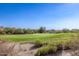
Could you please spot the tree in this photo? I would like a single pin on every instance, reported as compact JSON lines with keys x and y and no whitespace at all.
{"x":75,"y":30}
{"x":30,"y":31}
{"x":25,"y":31}
{"x":8,"y":30}
{"x":51,"y":31}
{"x":42,"y":30}
{"x":19,"y":31}
{"x":65,"y":30}
{"x":58,"y":31}
{"x":2,"y":31}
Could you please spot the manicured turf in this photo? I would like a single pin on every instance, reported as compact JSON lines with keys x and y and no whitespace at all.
{"x":34,"y":37}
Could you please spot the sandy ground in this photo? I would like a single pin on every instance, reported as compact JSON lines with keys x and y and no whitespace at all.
{"x":16,"y":49}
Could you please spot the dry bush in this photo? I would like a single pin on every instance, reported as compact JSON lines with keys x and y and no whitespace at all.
{"x":45,"y":50}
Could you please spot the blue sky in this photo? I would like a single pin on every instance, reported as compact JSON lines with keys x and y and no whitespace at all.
{"x":28,"y":15}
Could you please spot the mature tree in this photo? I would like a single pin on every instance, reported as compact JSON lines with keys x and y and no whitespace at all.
{"x":75,"y":30}
{"x":2,"y":31}
{"x":25,"y":31}
{"x":42,"y":30}
{"x":19,"y":31}
{"x":58,"y":31}
{"x":65,"y":30}
{"x":30,"y":31}
{"x":8,"y":30}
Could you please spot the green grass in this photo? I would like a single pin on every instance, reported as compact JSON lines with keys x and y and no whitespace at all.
{"x":34,"y":37}
{"x":40,"y":39}
{"x":43,"y":38}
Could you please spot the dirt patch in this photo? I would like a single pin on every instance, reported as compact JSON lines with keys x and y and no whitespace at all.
{"x":16,"y":49}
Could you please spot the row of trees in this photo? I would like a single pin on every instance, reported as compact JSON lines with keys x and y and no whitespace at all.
{"x":8,"y":30}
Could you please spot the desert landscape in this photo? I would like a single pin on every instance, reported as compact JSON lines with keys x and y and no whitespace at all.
{"x":59,"y":43}
{"x":39,"y":29}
